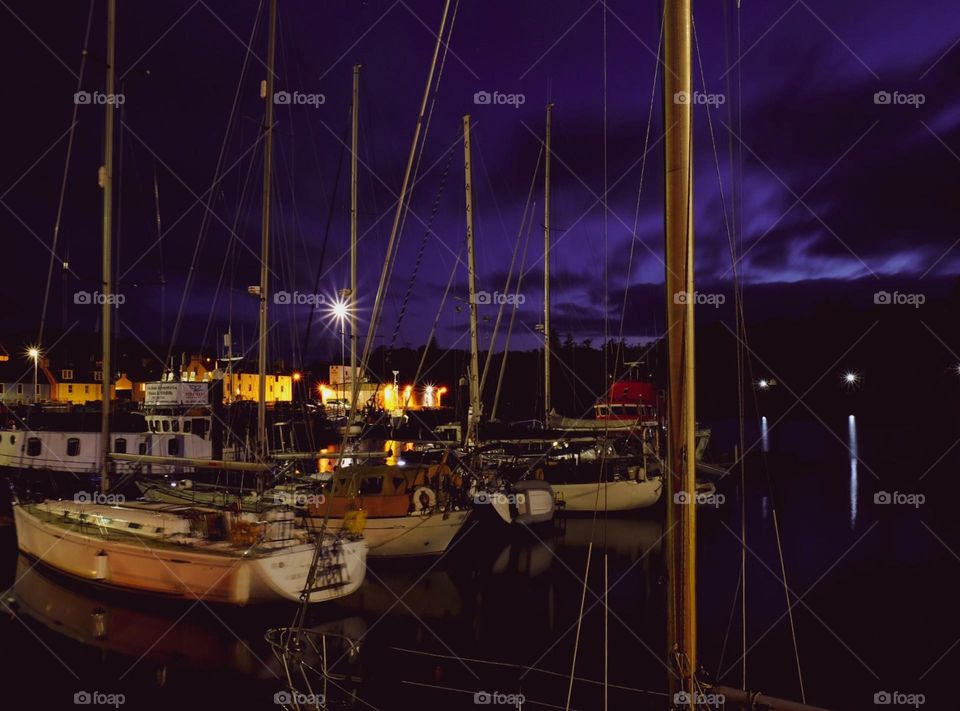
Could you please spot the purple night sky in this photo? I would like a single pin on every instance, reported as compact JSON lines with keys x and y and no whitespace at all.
{"x":836,"y":192}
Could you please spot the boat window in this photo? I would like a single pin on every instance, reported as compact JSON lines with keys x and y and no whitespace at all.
{"x":73,"y":447}
{"x":175,"y":425}
{"x":173,"y":447}
{"x":399,"y":484}
{"x":371,"y":485}
{"x":166,"y":425}
{"x":186,"y":425}
{"x":33,"y":447}
{"x":13,"y":439}
{"x":142,"y":448}
{"x":120,"y":445}
{"x":134,"y":524}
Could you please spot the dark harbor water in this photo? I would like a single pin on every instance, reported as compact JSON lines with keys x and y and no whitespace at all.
{"x":872,"y":588}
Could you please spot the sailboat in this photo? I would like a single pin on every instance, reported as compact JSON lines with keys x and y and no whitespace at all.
{"x":187,"y":552}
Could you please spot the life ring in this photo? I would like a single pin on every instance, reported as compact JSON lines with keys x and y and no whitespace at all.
{"x":424,"y":499}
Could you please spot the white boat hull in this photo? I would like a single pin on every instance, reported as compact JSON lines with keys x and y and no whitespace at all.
{"x":223,"y":575}
{"x":414,"y":534}
{"x":627,"y":495}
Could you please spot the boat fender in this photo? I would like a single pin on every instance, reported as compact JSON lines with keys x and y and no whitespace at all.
{"x":424,"y":498}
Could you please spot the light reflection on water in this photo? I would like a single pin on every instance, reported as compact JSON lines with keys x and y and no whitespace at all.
{"x":854,"y":484}
{"x":764,"y":434}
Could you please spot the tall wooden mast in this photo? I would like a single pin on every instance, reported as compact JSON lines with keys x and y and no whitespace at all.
{"x":265,"y":236}
{"x":546,"y":270}
{"x":474,"y":415}
{"x":352,"y":302}
{"x":681,"y":487}
{"x":106,"y":183}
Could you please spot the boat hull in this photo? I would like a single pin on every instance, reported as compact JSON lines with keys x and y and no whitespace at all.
{"x":230,"y":577}
{"x":628,"y":495}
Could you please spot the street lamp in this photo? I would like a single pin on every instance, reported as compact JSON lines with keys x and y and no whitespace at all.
{"x":339,"y":310}
{"x":34,"y":354}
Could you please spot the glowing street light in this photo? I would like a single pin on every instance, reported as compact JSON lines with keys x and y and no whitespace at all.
{"x":850,"y":379}
{"x":339,"y":310}
{"x":34,"y":354}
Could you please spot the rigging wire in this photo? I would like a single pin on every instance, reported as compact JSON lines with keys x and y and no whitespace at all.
{"x":741,"y":362}
{"x":205,"y":219}
{"x":513,"y":259}
{"x":636,"y":214}
{"x":513,"y":313}
{"x":63,"y":181}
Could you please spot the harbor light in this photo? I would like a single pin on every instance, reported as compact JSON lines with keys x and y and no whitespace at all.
{"x":296,"y":377}
{"x":339,"y":309}
{"x":33,"y":353}
{"x":851,"y":379}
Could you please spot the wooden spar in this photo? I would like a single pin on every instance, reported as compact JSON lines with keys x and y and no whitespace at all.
{"x":265,"y":236}
{"x":189,"y":462}
{"x":106,"y":183}
{"x":756,"y":700}
{"x":474,"y":416}
{"x":546,"y":270}
{"x":680,"y":470}
{"x":352,"y":302}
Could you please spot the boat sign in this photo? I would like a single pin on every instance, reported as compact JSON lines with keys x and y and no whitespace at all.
{"x":167,"y":394}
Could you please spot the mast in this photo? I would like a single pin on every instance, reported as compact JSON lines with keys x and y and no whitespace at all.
{"x":474,"y":415}
{"x":265,"y":237}
{"x":546,"y":272}
{"x":106,"y":183}
{"x":352,"y":304}
{"x":678,"y":217}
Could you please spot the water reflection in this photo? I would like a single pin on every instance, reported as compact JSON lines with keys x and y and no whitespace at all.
{"x":764,"y":434}
{"x":83,"y":614}
{"x":854,"y":484}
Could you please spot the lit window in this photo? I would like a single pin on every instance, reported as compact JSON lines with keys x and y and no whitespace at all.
{"x":98,"y":375}
{"x":66,"y":375}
